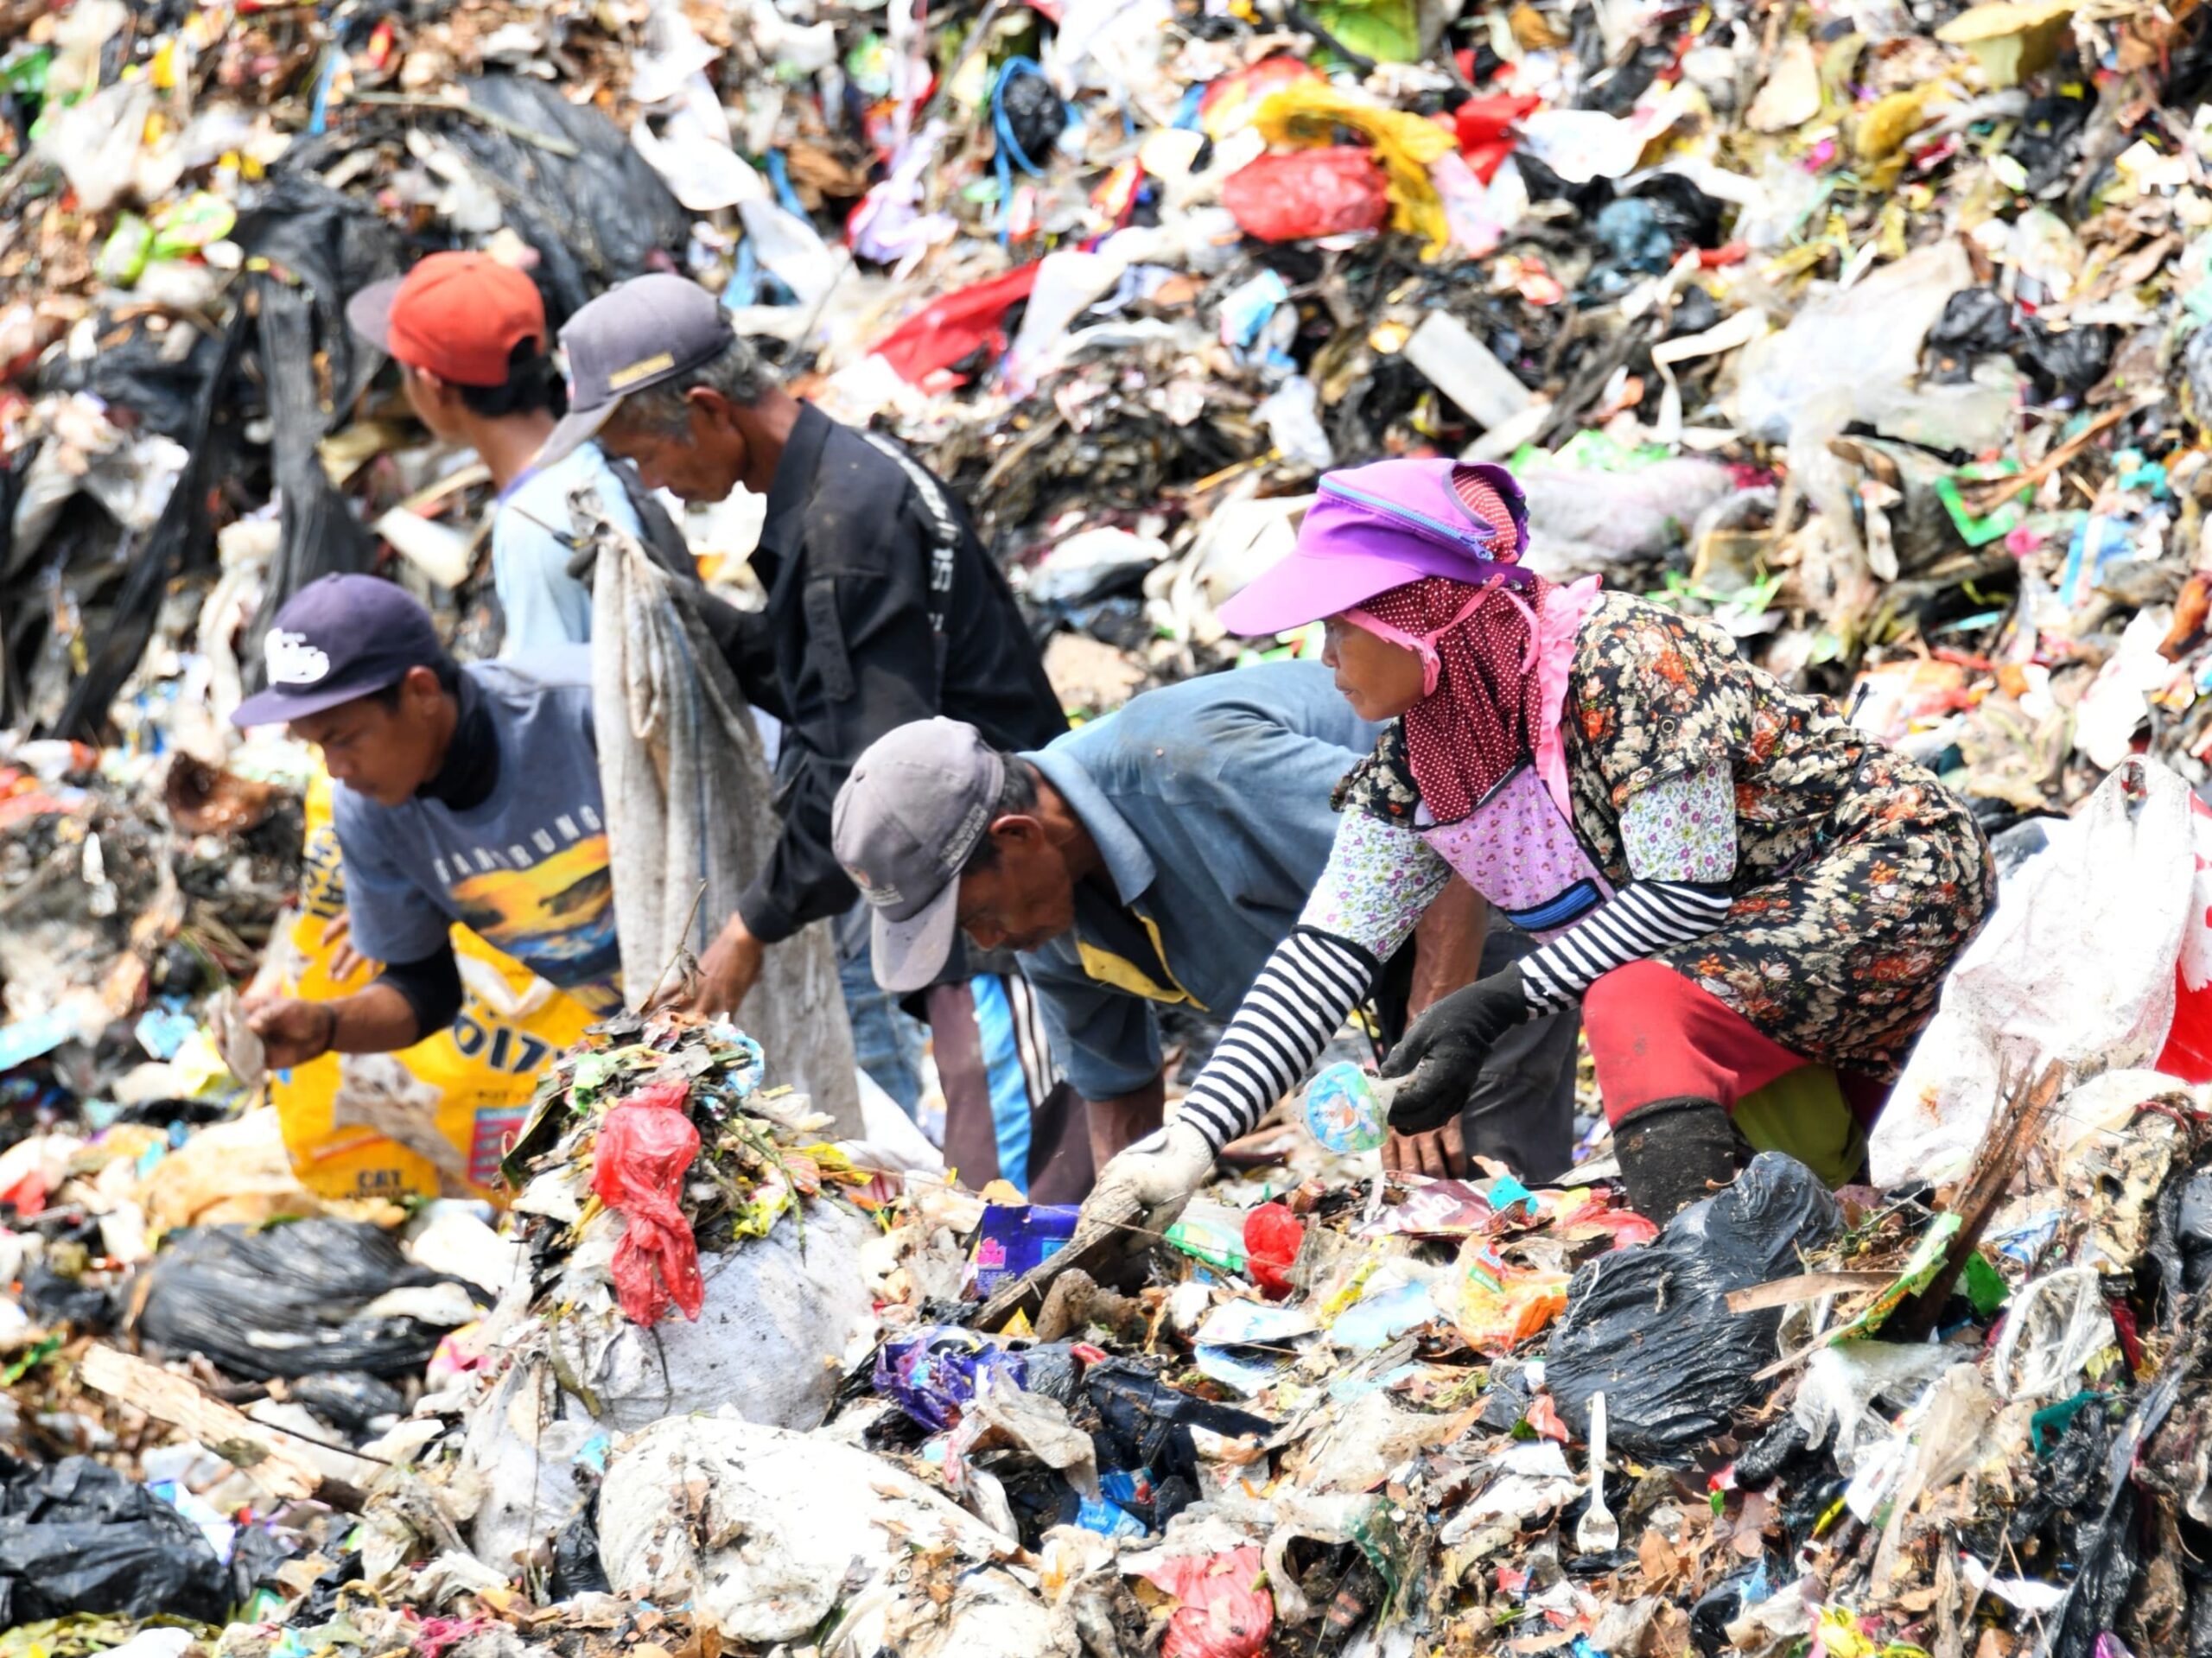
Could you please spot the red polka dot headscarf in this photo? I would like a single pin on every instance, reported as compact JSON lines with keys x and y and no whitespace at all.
{"x":1426,"y":554}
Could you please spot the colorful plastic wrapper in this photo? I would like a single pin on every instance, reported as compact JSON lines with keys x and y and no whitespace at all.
{"x":1014,"y":1237}
{"x":933,"y":1374}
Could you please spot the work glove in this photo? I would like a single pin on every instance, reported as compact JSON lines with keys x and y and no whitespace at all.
{"x":1146,"y":1185}
{"x":1441,"y":1056}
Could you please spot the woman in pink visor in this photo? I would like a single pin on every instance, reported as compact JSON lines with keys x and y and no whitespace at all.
{"x":1754,"y":902}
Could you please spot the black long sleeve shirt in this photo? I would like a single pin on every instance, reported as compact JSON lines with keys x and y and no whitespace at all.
{"x":846,"y":556}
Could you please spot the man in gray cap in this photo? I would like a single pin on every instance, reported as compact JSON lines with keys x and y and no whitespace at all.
{"x":883,"y":608}
{"x":1155,"y":859}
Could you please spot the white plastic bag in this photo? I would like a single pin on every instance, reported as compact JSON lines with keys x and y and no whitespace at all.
{"x":2075,"y":966}
{"x":762,"y":1532}
{"x":1863,"y":342}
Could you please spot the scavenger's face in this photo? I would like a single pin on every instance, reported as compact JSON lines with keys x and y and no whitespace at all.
{"x":1022,"y":901}
{"x":437,"y":404}
{"x":382,"y":753}
{"x":701,"y":464}
{"x":1379,"y":679}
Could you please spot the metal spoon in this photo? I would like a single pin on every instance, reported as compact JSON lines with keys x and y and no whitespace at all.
{"x":1598,"y":1532}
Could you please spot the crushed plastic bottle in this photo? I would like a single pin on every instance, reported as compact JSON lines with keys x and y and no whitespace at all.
{"x":1346,"y":1109}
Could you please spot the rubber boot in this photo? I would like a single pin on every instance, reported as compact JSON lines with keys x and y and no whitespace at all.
{"x":1674,"y":1151}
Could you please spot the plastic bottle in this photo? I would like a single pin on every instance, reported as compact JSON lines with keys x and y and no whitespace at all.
{"x":1346,"y":1109}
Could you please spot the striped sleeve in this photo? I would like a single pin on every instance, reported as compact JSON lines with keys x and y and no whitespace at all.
{"x":1643,"y":918}
{"x":1301,"y":996}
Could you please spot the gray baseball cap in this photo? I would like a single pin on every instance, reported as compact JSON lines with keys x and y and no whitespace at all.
{"x":636,"y":334}
{"x":917,"y":803}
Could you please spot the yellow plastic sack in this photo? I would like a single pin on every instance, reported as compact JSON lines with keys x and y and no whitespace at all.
{"x":1307,"y":112}
{"x":431,"y":1120}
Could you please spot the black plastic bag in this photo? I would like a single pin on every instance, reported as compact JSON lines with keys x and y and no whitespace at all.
{"x":1975,"y":321}
{"x":1650,"y":1329}
{"x":180,"y":538}
{"x":352,"y":1401}
{"x":285,"y":1302}
{"x":321,"y":248}
{"x":157,"y":372}
{"x":577,"y":1569}
{"x":78,"y":1537}
{"x":1034,"y":114}
{"x":325,"y":246}
{"x":50,"y":1298}
{"x":2068,"y":361}
{"x":596,"y":217}
{"x":1144,"y":1423}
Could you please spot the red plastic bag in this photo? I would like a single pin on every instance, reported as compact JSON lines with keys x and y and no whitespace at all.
{"x":645,"y":1144}
{"x":1225,"y":1613}
{"x":1272,"y":1237}
{"x":946,"y":330}
{"x":2187,"y":1052}
{"x":1308,"y":193}
{"x":1485,"y":128}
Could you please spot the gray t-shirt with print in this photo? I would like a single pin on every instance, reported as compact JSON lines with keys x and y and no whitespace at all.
{"x":525,"y":868}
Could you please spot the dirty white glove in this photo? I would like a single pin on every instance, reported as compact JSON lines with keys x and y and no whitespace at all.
{"x":1148,"y":1183}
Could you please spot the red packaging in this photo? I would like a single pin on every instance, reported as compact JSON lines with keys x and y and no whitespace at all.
{"x":1272,"y":1237}
{"x":645,"y":1144}
{"x":1308,"y":193}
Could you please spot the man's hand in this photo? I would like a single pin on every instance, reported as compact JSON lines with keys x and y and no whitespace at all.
{"x":1442,"y":1152}
{"x":1148,"y":1184}
{"x":729,"y":969}
{"x":293,"y":1031}
{"x":1441,"y":1056}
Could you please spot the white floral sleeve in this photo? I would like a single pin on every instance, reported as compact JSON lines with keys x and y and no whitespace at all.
{"x":1683,"y":828}
{"x":1380,"y":879}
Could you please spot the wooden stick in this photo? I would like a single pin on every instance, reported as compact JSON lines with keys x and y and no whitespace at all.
{"x":548,"y":141}
{"x":1806,"y":1286}
{"x":274,"y":1458}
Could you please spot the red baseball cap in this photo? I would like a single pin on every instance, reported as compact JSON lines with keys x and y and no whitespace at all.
{"x":457,"y":315}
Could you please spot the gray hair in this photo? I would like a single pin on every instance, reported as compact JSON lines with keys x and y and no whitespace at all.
{"x":736,"y":372}
{"x":1017,"y":798}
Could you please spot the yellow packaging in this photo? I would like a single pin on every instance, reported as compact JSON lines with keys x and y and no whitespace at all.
{"x":432,"y":1120}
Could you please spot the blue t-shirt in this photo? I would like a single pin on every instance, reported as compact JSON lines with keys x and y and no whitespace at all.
{"x":1209,"y":802}
{"x":525,"y":868}
{"x":544,"y":604}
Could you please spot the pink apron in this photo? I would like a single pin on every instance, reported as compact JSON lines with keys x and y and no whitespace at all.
{"x":1518,"y":848}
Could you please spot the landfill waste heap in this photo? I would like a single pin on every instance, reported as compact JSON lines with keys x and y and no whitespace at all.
{"x":1871,"y":330}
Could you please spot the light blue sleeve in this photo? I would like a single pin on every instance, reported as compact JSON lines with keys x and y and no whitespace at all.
{"x":544,"y":604}
{"x":1683,"y":828}
{"x":394,"y":919}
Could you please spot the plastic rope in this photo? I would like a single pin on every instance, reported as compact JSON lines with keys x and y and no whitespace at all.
{"x":1010,"y":153}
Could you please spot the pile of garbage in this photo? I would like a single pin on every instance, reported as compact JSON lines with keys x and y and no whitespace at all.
{"x":717,"y":1381}
{"x":1873,"y":330}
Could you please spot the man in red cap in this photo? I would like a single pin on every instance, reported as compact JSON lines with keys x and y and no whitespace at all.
{"x":469,"y":335}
